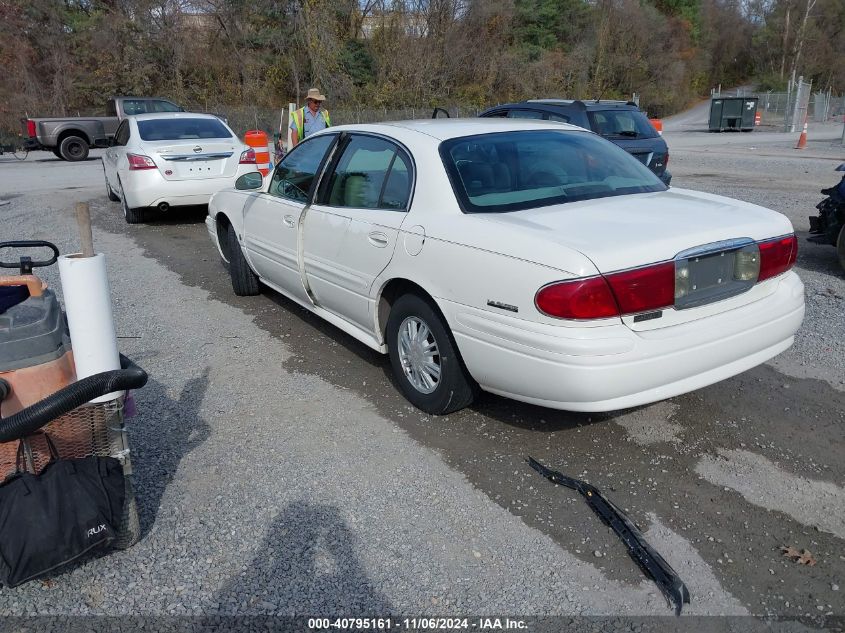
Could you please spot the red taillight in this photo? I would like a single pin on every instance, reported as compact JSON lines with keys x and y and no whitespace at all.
{"x":777,"y":256}
{"x":248,"y":157}
{"x":137,"y":162}
{"x":626,"y":292}
{"x":577,"y":299}
{"x":644,"y":289}
{"x":30,"y":128}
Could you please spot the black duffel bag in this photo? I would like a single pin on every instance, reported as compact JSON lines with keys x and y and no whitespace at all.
{"x":48,"y":520}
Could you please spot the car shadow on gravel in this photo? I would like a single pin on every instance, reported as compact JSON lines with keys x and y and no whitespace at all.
{"x":176,"y":216}
{"x":531,"y":417}
{"x":306,"y":564}
{"x":815,"y":257}
{"x":179,"y":215}
{"x":164,"y":431}
{"x":508,"y":411}
{"x":326,"y":329}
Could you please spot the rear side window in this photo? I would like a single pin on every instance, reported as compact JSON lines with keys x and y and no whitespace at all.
{"x":182,"y":129}
{"x":621,"y":124}
{"x":372,"y":173}
{"x":134,"y":106}
{"x":163,"y":106}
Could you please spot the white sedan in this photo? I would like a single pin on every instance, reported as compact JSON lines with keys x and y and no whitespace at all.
{"x":158,"y":161}
{"x":530,"y":259}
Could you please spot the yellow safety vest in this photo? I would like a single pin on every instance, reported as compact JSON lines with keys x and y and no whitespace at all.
{"x":299,"y":121}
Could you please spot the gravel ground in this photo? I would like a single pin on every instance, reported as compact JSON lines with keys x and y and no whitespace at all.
{"x":774,"y":175}
{"x":272,"y":492}
{"x":279,"y":472}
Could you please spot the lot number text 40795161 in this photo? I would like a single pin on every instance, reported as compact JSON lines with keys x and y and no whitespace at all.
{"x":417,"y":624}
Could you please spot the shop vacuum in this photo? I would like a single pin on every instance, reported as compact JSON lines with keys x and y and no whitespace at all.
{"x":57,"y":416}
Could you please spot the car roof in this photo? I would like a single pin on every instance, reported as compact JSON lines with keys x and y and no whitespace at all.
{"x":444,"y":129}
{"x":581,"y":104}
{"x":173,"y":115}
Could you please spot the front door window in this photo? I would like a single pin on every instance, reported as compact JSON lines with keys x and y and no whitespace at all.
{"x":295,"y":175}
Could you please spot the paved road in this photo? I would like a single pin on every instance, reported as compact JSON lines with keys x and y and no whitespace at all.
{"x":279,"y":471}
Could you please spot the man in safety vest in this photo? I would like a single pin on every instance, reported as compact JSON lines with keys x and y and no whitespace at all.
{"x":309,"y":119}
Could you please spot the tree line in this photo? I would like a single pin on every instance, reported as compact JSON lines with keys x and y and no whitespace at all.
{"x":67,"y":56}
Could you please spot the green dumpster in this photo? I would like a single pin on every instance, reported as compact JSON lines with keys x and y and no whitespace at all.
{"x":735,"y":114}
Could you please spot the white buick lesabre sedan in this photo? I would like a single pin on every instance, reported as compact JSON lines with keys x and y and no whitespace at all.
{"x":169,"y":159}
{"x":530,"y":259}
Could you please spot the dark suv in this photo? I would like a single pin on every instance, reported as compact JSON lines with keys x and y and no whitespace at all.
{"x":621,"y":122}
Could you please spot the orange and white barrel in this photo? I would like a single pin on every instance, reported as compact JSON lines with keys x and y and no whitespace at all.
{"x":757,"y":119}
{"x":658,"y":125}
{"x":257,"y":140}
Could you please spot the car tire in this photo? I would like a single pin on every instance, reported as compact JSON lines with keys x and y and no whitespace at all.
{"x":840,"y":247}
{"x":244,"y":281}
{"x":57,"y":153}
{"x":438,"y":391}
{"x":132,"y":216}
{"x":73,"y":148}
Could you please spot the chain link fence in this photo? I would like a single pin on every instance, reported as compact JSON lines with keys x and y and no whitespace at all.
{"x":786,"y":110}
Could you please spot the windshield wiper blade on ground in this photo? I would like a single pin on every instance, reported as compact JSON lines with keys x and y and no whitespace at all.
{"x":652,"y":563}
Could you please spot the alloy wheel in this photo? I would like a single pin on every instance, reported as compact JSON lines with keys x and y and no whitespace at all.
{"x":419,"y":355}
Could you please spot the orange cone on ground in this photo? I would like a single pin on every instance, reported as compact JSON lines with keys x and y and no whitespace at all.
{"x":802,"y":140}
{"x":257,"y":140}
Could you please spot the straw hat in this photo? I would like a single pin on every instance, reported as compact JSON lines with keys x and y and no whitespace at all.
{"x":314,"y":93}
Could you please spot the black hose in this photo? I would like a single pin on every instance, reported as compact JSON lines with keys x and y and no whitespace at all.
{"x":76,"y":394}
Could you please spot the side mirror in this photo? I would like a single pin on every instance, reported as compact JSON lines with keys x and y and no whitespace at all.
{"x":252,"y":180}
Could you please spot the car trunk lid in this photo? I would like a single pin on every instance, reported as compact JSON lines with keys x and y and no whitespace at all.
{"x":194,"y":160}
{"x":702,"y":231}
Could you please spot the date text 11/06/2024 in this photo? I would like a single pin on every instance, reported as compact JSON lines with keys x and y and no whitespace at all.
{"x":417,"y":624}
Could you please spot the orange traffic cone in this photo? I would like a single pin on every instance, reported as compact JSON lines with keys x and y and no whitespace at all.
{"x":802,"y":140}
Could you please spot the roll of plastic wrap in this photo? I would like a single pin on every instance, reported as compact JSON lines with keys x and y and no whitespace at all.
{"x":87,"y":296}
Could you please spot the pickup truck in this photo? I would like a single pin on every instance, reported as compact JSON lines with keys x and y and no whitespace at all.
{"x":70,"y":138}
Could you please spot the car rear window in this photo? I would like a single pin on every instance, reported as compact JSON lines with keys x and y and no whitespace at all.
{"x":511,"y":171}
{"x":182,"y":129}
{"x":621,"y":124}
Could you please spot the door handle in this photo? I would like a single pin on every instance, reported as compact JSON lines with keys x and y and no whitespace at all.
{"x":378,"y":239}
{"x":289,"y":221}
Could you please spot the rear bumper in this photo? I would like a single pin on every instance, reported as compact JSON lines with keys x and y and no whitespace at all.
{"x":613,"y":367}
{"x":148,"y":188}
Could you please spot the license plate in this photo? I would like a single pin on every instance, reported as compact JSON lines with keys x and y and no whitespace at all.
{"x":713,"y":276}
{"x":199,"y":168}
